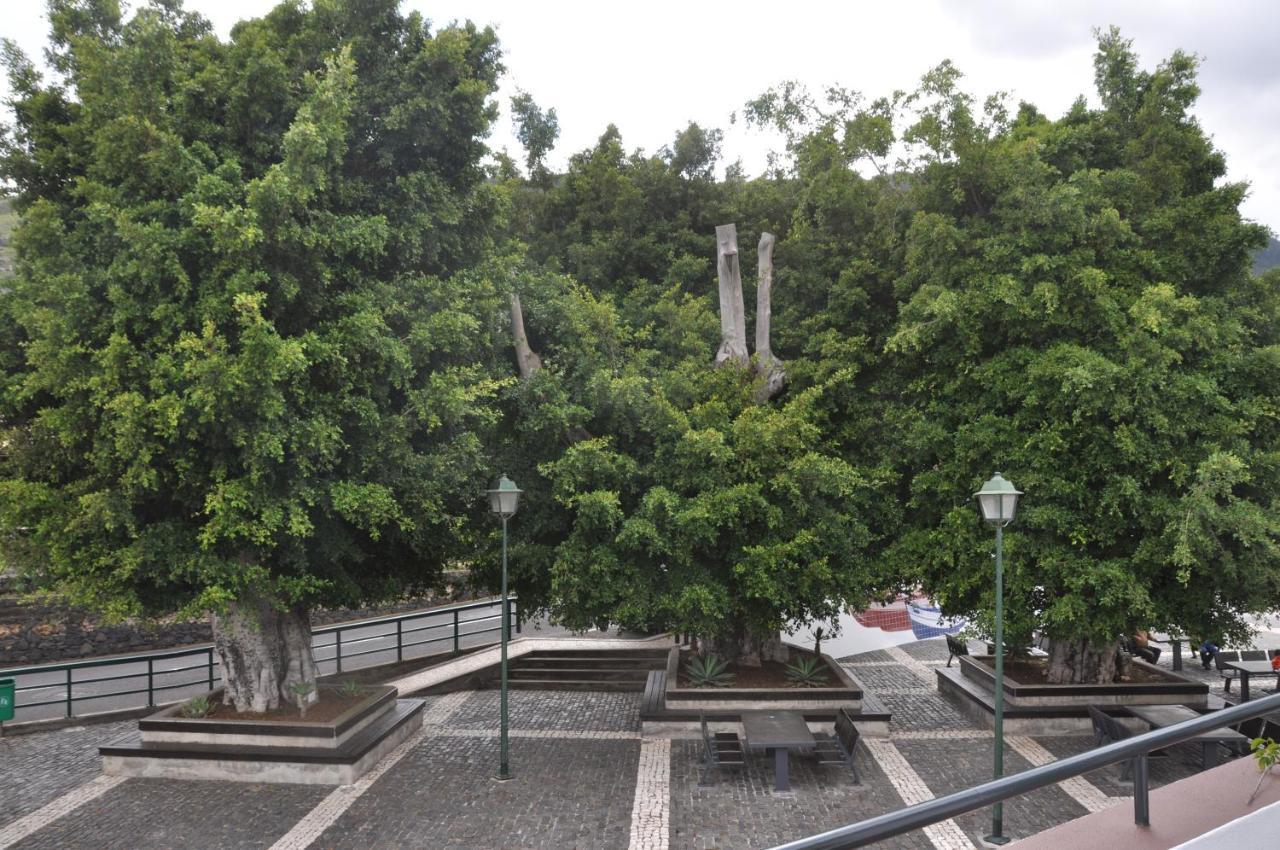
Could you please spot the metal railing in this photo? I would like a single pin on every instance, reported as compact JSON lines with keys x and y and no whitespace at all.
{"x":943,"y":808}
{"x":339,"y":648}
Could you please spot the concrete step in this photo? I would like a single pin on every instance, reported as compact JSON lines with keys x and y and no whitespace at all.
{"x":523,"y":671}
{"x":589,"y":663}
{"x":573,"y":685}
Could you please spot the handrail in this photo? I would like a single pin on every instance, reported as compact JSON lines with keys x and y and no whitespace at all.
{"x":201,"y":647}
{"x":932,"y":811}
{"x":74,"y":690}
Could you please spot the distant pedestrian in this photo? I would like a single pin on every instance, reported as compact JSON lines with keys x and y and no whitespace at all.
{"x":1208,"y":650}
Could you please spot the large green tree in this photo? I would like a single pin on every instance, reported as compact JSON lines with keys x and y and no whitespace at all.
{"x":1077,"y":311}
{"x":245,"y":375}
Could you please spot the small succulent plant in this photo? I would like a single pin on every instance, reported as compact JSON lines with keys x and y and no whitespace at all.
{"x":196,"y":707}
{"x":350,"y":688}
{"x":807,"y":672}
{"x":302,"y":690}
{"x":708,"y":671}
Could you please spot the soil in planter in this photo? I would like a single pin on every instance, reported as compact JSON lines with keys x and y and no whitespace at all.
{"x":1035,"y":671}
{"x":329,"y":706}
{"x":771,"y":674}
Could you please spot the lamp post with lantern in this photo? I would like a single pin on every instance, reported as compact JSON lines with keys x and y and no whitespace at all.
{"x":998,"y":500}
{"x":504,"y":498}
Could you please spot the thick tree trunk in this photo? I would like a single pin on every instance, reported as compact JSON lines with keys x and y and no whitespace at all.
{"x":767,"y":366}
{"x":526,"y":358}
{"x":1081,"y":662}
{"x":746,"y":649}
{"x":264,"y":651}
{"x":733,"y":318}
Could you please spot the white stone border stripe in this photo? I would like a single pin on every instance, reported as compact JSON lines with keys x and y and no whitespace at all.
{"x":328,"y":810}
{"x":941,"y":734}
{"x":563,"y":734}
{"x":47,"y":814}
{"x":946,"y":835}
{"x":1078,"y":788}
{"x":915,"y":665}
{"x":651,"y":812}
{"x":444,"y":708}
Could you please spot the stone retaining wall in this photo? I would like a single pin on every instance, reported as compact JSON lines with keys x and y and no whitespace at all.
{"x":40,"y":634}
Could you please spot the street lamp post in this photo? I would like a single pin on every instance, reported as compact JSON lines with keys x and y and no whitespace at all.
{"x":998,"y":500}
{"x":504,"y":498}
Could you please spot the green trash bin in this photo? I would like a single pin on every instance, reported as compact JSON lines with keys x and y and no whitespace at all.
{"x":6,"y":699}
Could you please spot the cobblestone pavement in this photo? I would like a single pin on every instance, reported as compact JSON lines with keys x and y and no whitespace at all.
{"x":741,"y":810}
{"x":581,"y":782}
{"x":153,"y":813}
{"x":560,"y":710}
{"x":573,"y":795}
{"x":37,"y":769}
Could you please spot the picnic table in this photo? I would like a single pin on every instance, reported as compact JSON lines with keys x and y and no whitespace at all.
{"x":1159,"y":716}
{"x":778,"y":731}
{"x":1245,"y":668}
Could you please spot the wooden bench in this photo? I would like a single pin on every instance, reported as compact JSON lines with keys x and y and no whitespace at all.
{"x":655,"y":689}
{"x":955,"y":647}
{"x":1108,"y":730}
{"x":842,"y":747}
{"x":1220,"y":658}
{"x":1160,"y":716}
{"x":721,"y":750}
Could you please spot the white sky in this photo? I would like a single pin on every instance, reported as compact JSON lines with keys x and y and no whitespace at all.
{"x":652,"y":67}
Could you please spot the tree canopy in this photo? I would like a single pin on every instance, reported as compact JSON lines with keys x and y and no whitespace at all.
{"x":247,"y":353}
{"x":259,"y":338}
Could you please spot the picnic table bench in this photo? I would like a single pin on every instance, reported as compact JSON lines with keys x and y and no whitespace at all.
{"x":1159,"y":716}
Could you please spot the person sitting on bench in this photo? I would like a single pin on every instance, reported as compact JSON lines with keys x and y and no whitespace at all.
{"x":1139,"y":645}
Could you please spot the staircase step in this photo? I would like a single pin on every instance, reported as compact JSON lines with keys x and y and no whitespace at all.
{"x":604,"y":674}
{"x":587,"y":663}
{"x":574,"y":685}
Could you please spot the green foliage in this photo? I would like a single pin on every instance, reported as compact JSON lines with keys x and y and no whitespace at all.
{"x":350,"y":689}
{"x":196,"y":707}
{"x":1266,"y":752}
{"x":808,"y":672}
{"x":240,"y":351}
{"x":708,"y":671}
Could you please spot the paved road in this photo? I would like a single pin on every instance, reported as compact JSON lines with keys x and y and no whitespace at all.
{"x":103,"y":687}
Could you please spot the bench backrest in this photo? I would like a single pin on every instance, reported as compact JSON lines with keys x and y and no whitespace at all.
{"x":846,"y":732}
{"x":1224,"y":655}
{"x":1099,"y":720}
{"x":956,"y":646}
{"x":1253,"y":655}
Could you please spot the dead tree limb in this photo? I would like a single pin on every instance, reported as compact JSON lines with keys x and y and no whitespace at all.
{"x":526,"y":358}
{"x":767,"y":366}
{"x":733,"y":320}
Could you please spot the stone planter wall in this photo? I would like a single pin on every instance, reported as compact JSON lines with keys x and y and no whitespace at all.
{"x":1172,"y":689}
{"x":843,"y":693}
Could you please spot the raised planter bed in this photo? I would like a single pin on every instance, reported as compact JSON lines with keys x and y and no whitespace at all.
{"x":289,"y":731}
{"x":1043,"y":709}
{"x":333,"y":751}
{"x":843,"y":692}
{"x":1155,"y":686}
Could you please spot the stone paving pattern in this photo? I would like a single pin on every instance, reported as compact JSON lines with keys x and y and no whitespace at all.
{"x":143,"y":814}
{"x":576,"y":757}
{"x":573,"y":795}
{"x":37,"y":769}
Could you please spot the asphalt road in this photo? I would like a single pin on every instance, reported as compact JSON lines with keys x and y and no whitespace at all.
{"x":116,"y":683}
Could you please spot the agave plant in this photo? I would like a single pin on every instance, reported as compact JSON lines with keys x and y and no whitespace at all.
{"x":708,"y":671}
{"x":196,"y":707}
{"x":350,"y":688}
{"x":807,"y":672}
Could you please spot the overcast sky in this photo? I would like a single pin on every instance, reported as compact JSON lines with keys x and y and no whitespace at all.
{"x":652,"y":67}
